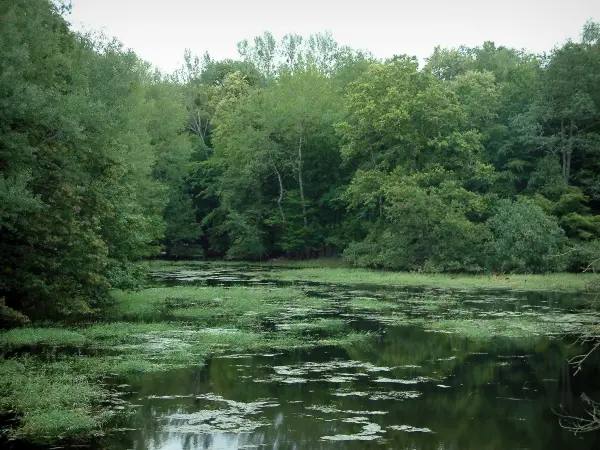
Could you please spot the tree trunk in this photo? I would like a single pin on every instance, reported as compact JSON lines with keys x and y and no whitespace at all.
{"x":300,"y":182}
{"x":566,"y":149}
{"x":562,"y":150}
{"x":302,"y":199}
{"x":280,"y":199}
{"x":198,"y":128}
{"x":569,"y":152}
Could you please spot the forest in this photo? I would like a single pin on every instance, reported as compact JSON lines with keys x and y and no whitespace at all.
{"x":482,"y":160}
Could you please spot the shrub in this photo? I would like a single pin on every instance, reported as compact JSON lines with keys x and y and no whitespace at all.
{"x":10,"y":318}
{"x":524,"y":239}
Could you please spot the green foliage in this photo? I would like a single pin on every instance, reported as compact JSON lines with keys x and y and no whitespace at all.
{"x":329,"y":150}
{"x":424,"y":224}
{"x":273,"y":149}
{"x":300,"y":148}
{"x":525,"y":239}
{"x":10,"y":318}
{"x":89,"y":139}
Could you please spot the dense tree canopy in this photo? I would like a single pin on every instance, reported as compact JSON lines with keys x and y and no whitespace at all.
{"x":485,"y":159}
{"x":394,"y":166}
{"x":91,"y":151}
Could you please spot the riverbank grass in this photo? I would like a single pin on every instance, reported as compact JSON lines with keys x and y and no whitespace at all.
{"x":566,"y":282}
{"x":337,"y":271}
{"x":51,"y":404}
{"x":20,"y":337}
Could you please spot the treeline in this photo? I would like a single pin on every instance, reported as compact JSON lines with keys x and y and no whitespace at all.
{"x":485,"y":159}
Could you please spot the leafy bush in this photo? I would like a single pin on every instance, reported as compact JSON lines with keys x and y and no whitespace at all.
{"x":426,"y":228}
{"x":10,"y":318}
{"x":524,"y":239}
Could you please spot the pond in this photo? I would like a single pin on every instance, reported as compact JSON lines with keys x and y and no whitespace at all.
{"x":413,"y":387}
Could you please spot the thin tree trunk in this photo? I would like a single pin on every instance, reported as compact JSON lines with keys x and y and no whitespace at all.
{"x":200,"y":130}
{"x":566,"y":149}
{"x":300,"y":183}
{"x":563,"y":150}
{"x":302,"y":199}
{"x":569,"y":153}
{"x":280,"y":199}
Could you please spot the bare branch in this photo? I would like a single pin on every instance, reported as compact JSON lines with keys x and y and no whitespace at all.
{"x":591,"y":422}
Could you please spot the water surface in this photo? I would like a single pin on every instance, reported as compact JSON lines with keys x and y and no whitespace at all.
{"x":413,"y":388}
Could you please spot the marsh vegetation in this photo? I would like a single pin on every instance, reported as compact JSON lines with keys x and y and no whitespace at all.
{"x":236,"y":355}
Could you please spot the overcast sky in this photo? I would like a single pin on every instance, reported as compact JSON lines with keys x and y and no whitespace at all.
{"x":160,"y":30}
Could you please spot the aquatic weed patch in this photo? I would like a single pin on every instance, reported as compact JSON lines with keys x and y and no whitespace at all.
{"x":409,"y":429}
{"x":221,"y":415}
{"x":415,"y":380}
{"x":369,"y":432}
{"x":332,"y":410}
{"x":120,"y":332}
{"x":378,"y":395}
{"x":31,"y":336}
{"x":335,"y":371}
{"x":371,"y":303}
{"x":516,"y":325}
{"x":51,"y":403}
{"x":322,"y":324}
{"x":73,"y":386}
{"x":202,"y":302}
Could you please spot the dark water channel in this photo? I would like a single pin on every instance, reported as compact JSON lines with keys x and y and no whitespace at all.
{"x":412,"y":389}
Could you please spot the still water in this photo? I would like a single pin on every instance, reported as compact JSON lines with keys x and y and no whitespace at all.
{"x":412,"y":389}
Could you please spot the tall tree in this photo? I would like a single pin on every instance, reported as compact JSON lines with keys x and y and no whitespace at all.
{"x":79,"y":203}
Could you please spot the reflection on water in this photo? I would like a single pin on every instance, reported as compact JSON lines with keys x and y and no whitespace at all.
{"x":412,"y":389}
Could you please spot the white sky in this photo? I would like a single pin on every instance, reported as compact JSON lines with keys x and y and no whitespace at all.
{"x":160,"y":30}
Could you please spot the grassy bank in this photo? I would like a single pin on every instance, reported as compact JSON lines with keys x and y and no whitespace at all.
{"x":335,"y":270}
{"x":566,"y":282}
